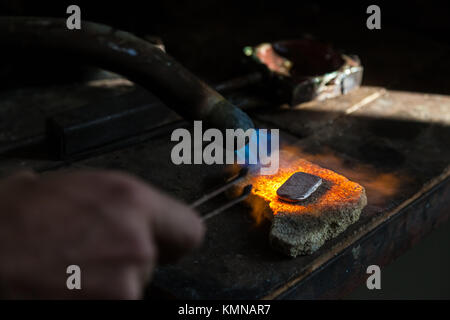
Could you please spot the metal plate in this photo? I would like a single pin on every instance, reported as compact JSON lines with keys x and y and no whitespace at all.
{"x":299,"y":187}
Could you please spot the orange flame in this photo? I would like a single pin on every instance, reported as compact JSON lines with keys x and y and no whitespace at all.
{"x":341,"y":190}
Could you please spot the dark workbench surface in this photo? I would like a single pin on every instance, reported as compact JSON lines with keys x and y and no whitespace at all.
{"x":395,"y":144}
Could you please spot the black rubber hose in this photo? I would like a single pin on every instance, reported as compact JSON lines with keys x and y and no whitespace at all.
{"x":130,"y":56}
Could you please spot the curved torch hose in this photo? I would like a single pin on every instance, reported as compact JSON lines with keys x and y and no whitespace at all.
{"x":132,"y":57}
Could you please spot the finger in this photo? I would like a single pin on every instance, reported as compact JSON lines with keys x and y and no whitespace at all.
{"x":177,"y":228}
{"x":22,"y":175}
{"x":19,"y":179}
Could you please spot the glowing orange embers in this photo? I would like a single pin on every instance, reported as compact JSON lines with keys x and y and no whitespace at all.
{"x":303,"y":227}
{"x":339,"y":189}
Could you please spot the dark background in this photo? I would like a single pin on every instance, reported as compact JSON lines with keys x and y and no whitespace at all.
{"x":411,"y":52}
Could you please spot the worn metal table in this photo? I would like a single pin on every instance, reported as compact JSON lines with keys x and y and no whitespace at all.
{"x":395,"y":144}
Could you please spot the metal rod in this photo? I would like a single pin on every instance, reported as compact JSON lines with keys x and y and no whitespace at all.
{"x":221,"y":189}
{"x":240,"y":82}
{"x":245,"y":192}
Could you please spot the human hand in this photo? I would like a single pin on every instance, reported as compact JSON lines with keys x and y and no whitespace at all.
{"x":113,"y":226}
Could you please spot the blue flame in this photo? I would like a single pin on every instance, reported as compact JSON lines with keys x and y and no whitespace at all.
{"x":244,"y":152}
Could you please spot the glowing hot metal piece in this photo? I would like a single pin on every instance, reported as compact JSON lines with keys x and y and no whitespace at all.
{"x":298,"y":187}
